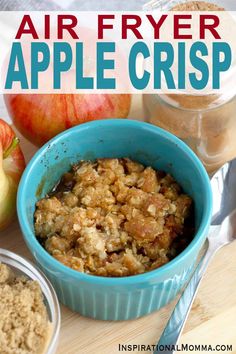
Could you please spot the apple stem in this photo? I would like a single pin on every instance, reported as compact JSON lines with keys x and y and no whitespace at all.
{"x":12,"y":147}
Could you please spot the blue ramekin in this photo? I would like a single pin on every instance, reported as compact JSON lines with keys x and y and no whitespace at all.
{"x":127,"y":297}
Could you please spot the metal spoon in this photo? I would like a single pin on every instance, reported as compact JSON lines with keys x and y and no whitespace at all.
{"x":222,"y":232}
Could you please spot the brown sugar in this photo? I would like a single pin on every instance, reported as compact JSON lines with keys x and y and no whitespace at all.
{"x":24,"y":324}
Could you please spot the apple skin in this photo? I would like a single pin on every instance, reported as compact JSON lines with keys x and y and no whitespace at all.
{"x":39,"y":117}
{"x":12,"y":164}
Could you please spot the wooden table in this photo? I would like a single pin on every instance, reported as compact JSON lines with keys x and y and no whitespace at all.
{"x":212,"y":319}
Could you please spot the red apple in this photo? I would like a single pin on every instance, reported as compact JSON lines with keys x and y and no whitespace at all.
{"x":12,"y":164}
{"x":41,"y":117}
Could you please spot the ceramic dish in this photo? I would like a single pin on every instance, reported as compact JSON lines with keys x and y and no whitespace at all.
{"x":127,"y":297}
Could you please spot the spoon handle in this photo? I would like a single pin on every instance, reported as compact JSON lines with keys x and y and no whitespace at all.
{"x":175,"y":325}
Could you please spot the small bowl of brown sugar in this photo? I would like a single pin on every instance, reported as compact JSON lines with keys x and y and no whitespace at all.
{"x":30,"y":312}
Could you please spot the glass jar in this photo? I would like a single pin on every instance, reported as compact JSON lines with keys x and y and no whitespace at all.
{"x":207,"y":123}
{"x":22,"y":267}
{"x":208,"y":127}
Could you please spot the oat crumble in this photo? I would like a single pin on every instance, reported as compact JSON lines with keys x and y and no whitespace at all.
{"x":114,"y":217}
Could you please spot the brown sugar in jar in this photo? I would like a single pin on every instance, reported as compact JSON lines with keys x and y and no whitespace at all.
{"x":207,"y":123}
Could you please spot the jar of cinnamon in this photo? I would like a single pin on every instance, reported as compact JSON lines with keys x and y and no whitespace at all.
{"x":206,"y":122}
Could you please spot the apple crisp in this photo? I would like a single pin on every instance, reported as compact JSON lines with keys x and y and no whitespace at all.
{"x":24,"y":323}
{"x":114,"y":217}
